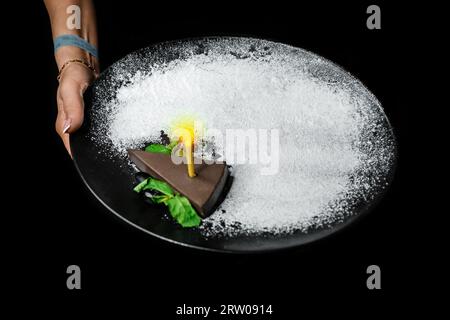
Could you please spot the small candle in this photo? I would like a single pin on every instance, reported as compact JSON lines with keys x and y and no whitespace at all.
{"x":184,"y":129}
{"x":189,"y":159}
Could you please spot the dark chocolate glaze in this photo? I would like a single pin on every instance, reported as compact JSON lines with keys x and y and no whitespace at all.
{"x":203,"y":191}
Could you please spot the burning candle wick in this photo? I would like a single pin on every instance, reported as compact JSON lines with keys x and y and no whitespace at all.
{"x":184,"y":128}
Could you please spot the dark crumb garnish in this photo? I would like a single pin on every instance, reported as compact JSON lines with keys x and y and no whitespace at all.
{"x":164,"y":138}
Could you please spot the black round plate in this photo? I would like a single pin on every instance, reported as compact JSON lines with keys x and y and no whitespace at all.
{"x":111,"y":178}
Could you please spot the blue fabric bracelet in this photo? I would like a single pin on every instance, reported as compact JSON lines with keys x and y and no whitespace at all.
{"x":74,"y":40}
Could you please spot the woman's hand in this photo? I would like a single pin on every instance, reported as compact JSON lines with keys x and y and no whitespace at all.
{"x":73,"y":82}
{"x":74,"y":77}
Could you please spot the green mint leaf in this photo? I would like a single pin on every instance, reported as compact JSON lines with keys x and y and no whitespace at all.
{"x":154,"y":184}
{"x":182,"y":211}
{"x":176,"y":208}
{"x":161,"y":199}
{"x":141,"y":186}
{"x":158,"y":148}
{"x":179,"y":206}
{"x":191,"y":218}
{"x":158,"y":185}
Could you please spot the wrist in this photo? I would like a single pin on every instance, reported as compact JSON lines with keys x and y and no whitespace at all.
{"x":78,"y":74}
{"x":87,"y":67}
{"x":67,"y":53}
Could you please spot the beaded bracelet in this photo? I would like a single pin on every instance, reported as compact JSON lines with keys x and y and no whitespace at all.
{"x":80,"y":61}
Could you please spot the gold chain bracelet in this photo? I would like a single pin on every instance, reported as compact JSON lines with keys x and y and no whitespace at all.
{"x":80,"y":61}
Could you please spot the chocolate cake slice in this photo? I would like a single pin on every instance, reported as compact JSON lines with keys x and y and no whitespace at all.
{"x":203,"y":191}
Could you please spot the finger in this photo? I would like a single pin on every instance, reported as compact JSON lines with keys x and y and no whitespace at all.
{"x":73,"y":106}
{"x":60,"y":129}
{"x":60,"y":118}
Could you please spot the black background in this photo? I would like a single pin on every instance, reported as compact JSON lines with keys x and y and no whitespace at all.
{"x":59,"y":223}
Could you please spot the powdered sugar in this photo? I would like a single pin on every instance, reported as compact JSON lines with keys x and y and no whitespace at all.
{"x":336,"y":146}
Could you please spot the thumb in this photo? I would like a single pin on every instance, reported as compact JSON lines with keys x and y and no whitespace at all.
{"x":73,"y":107}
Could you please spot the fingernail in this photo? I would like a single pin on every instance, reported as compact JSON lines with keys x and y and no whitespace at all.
{"x":66,"y":125}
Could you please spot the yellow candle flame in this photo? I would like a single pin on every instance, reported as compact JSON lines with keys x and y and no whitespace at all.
{"x":183,"y":129}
